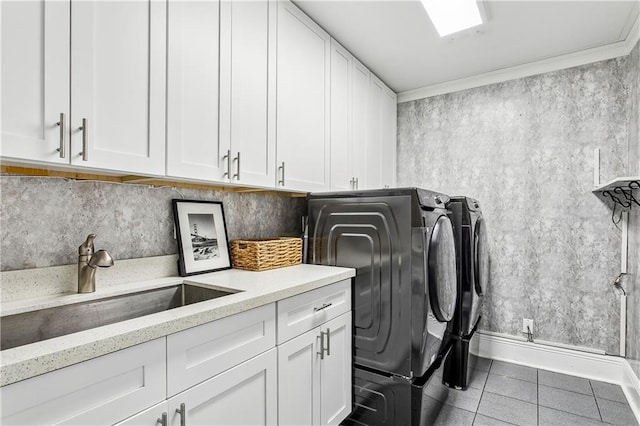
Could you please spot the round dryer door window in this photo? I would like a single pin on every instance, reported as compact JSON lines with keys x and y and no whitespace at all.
{"x":443,"y":290}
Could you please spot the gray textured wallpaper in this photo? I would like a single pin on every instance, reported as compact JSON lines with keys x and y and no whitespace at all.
{"x":44,"y":220}
{"x":524,"y":149}
{"x":632,"y":283}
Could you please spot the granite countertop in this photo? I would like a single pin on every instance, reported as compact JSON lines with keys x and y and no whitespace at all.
{"x":251,"y":289}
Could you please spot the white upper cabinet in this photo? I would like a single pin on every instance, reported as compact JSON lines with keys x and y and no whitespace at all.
{"x":363,"y":126}
{"x":247,"y":89}
{"x":303,"y":121}
{"x":388,"y":135}
{"x":374,"y":138}
{"x":248,"y":92}
{"x":360,"y":101}
{"x":193,"y":147}
{"x":83,"y":84}
{"x":35,"y":80}
{"x":118,"y":60}
{"x":341,"y":138}
{"x":380,"y":136}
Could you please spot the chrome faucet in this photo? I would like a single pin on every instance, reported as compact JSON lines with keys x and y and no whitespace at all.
{"x":88,"y":262}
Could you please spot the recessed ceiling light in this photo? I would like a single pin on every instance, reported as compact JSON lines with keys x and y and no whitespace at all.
{"x":451,"y":16}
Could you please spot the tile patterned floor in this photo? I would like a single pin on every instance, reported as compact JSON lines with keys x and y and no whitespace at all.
{"x":501,"y":393}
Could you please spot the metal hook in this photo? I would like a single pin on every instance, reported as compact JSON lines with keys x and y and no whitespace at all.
{"x":616,"y":199}
{"x":628,"y":194}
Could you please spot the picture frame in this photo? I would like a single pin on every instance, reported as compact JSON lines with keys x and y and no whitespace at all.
{"x":201,"y":232}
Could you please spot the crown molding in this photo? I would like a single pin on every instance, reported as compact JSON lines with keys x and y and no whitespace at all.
{"x":583,"y":57}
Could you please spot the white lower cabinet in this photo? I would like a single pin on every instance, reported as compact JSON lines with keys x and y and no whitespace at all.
{"x":314,"y":371}
{"x":336,"y":372}
{"x":314,"y":367}
{"x":101,"y":391}
{"x":243,"y":395}
{"x":201,"y":352}
{"x":225,"y":372}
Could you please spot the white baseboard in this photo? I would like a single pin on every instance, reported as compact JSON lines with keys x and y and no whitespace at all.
{"x":631,"y":387}
{"x":605,"y":368}
{"x":559,"y":359}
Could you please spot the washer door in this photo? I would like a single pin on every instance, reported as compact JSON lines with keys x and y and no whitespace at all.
{"x":480,"y":268}
{"x":443,"y":288}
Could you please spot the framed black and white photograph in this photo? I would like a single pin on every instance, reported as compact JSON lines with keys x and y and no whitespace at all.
{"x":202,"y":236}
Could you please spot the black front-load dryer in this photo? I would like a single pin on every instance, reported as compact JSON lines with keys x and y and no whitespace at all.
{"x":472,"y":261}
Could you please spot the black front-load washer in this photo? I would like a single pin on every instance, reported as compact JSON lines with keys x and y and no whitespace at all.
{"x":472,"y":260}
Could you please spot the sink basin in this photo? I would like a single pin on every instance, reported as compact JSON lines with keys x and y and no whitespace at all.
{"x":29,"y":327}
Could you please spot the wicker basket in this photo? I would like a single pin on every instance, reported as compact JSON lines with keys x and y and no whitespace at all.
{"x":262,"y":254}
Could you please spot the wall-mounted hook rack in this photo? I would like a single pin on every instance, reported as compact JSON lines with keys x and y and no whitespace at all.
{"x":623,"y":192}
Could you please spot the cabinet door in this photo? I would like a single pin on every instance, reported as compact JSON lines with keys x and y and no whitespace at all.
{"x":341,"y":63}
{"x":149,"y":417}
{"x":388,"y":132}
{"x":299,"y":380}
{"x":118,"y":53}
{"x":193,"y":147}
{"x":102,"y":390}
{"x":336,"y":371}
{"x":381,"y":135}
{"x":359,"y":114}
{"x":243,"y":395}
{"x":303,"y":63}
{"x":35,"y":80}
{"x":374,"y":146}
{"x":247,"y":89}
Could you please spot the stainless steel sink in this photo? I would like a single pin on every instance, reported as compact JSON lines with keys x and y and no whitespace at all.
{"x":30,"y":327}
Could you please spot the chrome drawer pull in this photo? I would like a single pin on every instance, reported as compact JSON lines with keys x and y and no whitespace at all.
{"x":328,"y":341}
{"x":281,"y":182}
{"x":163,"y":420}
{"x":85,"y":133}
{"x":321,"y":353}
{"x":325,"y":306}
{"x":61,"y":123}
{"x":237,"y":175}
{"x":227,"y":174}
{"x":183,"y":414}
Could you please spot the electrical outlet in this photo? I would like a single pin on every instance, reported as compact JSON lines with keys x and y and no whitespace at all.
{"x":527,"y":322}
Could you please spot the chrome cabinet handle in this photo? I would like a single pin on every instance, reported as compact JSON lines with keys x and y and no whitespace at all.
{"x":322,"y":347}
{"x":62,"y":126}
{"x":183,"y":414}
{"x":321,"y":353}
{"x":237,"y":175}
{"x":85,"y":133}
{"x":228,"y":158}
{"x":163,"y":420}
{"x":328,"y":333}
{"x":281,"y":182}
{"x":325,"y":306}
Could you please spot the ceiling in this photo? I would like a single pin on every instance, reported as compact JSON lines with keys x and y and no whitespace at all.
{"x":396,"y":40}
